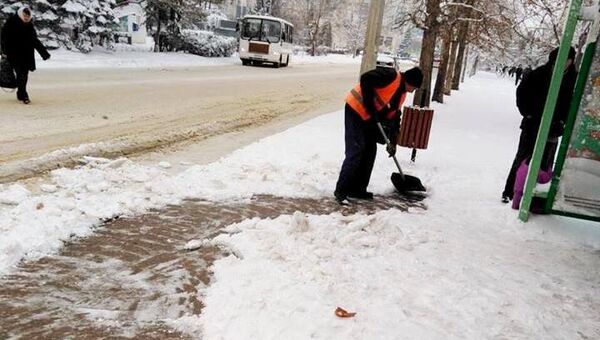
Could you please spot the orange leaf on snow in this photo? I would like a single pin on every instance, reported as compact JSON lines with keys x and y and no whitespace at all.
{"x":342,"y":313}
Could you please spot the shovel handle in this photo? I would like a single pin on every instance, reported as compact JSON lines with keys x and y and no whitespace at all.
{"x":387,"y":143}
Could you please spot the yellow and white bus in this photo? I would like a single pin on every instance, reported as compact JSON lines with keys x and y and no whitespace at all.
{"x":265,"y":39}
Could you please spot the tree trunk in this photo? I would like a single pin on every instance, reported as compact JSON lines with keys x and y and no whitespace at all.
{"x":451,"y":63}
{"x":157,"y":37}
{"x":314,"y":37}
{"x":462,"y":41}
{"x":423,"y":95}
{"x":466,"y":60}
{"x":440,"y":82}
{"x":475,"y":66}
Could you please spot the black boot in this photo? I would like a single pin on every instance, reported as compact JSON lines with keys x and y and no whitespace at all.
{"x":363,"y":195}
{"x":341,"y":197}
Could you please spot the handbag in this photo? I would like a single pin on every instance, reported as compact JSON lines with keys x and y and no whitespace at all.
{"x":7,"y":75}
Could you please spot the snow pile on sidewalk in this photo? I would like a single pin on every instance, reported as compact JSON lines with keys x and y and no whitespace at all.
{"x":465,"y":268}
{"x":123,"y":58}
{"x":34,"y":224}
{"x":406,"y":276}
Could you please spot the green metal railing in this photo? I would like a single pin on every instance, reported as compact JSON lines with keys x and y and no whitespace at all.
{"x":569,"y":125}
{"x":542,"y":138}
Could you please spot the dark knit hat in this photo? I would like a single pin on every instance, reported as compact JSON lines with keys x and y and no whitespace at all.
{"x":554,"y":55}
{"x":413,"y":77}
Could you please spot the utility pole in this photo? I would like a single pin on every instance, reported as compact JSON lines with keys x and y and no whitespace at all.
{"x":374,"y":24}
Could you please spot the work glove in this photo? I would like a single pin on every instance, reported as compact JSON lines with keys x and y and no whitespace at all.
{"x":46,"y":57}
{"x":391,"y":149}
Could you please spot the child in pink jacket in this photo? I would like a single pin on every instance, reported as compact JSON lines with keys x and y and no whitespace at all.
{"x":544,"y":177}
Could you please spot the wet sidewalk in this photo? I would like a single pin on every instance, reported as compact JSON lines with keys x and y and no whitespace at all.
{"x":133,"y":275}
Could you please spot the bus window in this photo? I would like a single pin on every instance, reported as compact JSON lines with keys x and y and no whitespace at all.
{"x":251,"y":29}
{"x":271,"y":31}
{"x":287,"y":33}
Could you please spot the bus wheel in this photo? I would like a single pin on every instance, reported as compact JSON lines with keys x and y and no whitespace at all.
{"x":245,"y":62}
{"x":279,"y":64}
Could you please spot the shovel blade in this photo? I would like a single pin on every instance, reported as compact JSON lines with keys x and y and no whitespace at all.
{"x":408,"y":184}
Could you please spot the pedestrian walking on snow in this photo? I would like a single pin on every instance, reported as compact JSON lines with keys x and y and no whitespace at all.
{"x":377,"y":98}
{"x":18,"y":41}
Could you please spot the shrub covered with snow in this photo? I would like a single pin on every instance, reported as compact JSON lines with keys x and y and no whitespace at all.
{"x":204,"y":43}
{"x":80,"y":24}
{"x":208,"y":44}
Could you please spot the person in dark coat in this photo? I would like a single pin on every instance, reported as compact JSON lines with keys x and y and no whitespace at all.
{"x":531,"y":100}
{"x":18,"y":41}
{"x":377,"y":98}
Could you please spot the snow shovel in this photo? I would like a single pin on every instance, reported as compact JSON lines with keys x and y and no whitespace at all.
{"x":403,"y":183}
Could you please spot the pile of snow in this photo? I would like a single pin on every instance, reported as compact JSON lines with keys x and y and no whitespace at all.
{"x":128,"y":59}
{"x":207,"y":44}
{"x":128,"y":56}
{"x":147,"y":47}
{"x":305,"y":58}
{"x":412,"y":275}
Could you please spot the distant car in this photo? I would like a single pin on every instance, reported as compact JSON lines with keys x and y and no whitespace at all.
{"x":407,"y":62}
{"x":386,"y":60}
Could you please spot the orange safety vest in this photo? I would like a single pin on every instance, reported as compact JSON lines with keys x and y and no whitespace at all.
{"x":383,"y":96}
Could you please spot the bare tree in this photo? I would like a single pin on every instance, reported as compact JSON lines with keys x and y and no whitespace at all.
{"x":450,"y":19}
{"x":440,"y":82}
{"x":426,"y":16}
{"x":451,"y":61}
{"x":319,"y":12}
{"x":351,"y":24}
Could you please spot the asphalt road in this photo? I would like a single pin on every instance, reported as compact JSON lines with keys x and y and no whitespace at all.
{"x":131,"y":111}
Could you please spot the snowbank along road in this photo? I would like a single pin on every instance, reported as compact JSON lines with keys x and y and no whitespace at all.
{"x":109,"y":112}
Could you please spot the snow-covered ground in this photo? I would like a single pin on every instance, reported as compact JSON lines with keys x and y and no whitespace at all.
{"x":126,"y":59}
{"x":463,"y":268}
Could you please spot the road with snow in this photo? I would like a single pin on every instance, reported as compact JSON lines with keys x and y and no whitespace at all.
{"x":127,"y":111}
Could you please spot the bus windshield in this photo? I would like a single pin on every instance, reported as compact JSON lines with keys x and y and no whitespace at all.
{"x":261,"y":30}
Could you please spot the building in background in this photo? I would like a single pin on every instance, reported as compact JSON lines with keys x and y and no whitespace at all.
{"x":132,"y":21}
{"x":236,"y":9}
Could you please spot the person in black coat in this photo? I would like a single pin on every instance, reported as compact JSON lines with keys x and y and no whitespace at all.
{"x":18,"y":40}
{"x":531,"y":100}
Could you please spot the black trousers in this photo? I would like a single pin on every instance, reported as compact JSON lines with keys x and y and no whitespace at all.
{"x":361,"y":150}
{"x":22,"y":78}
{"x":525,"y":151}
